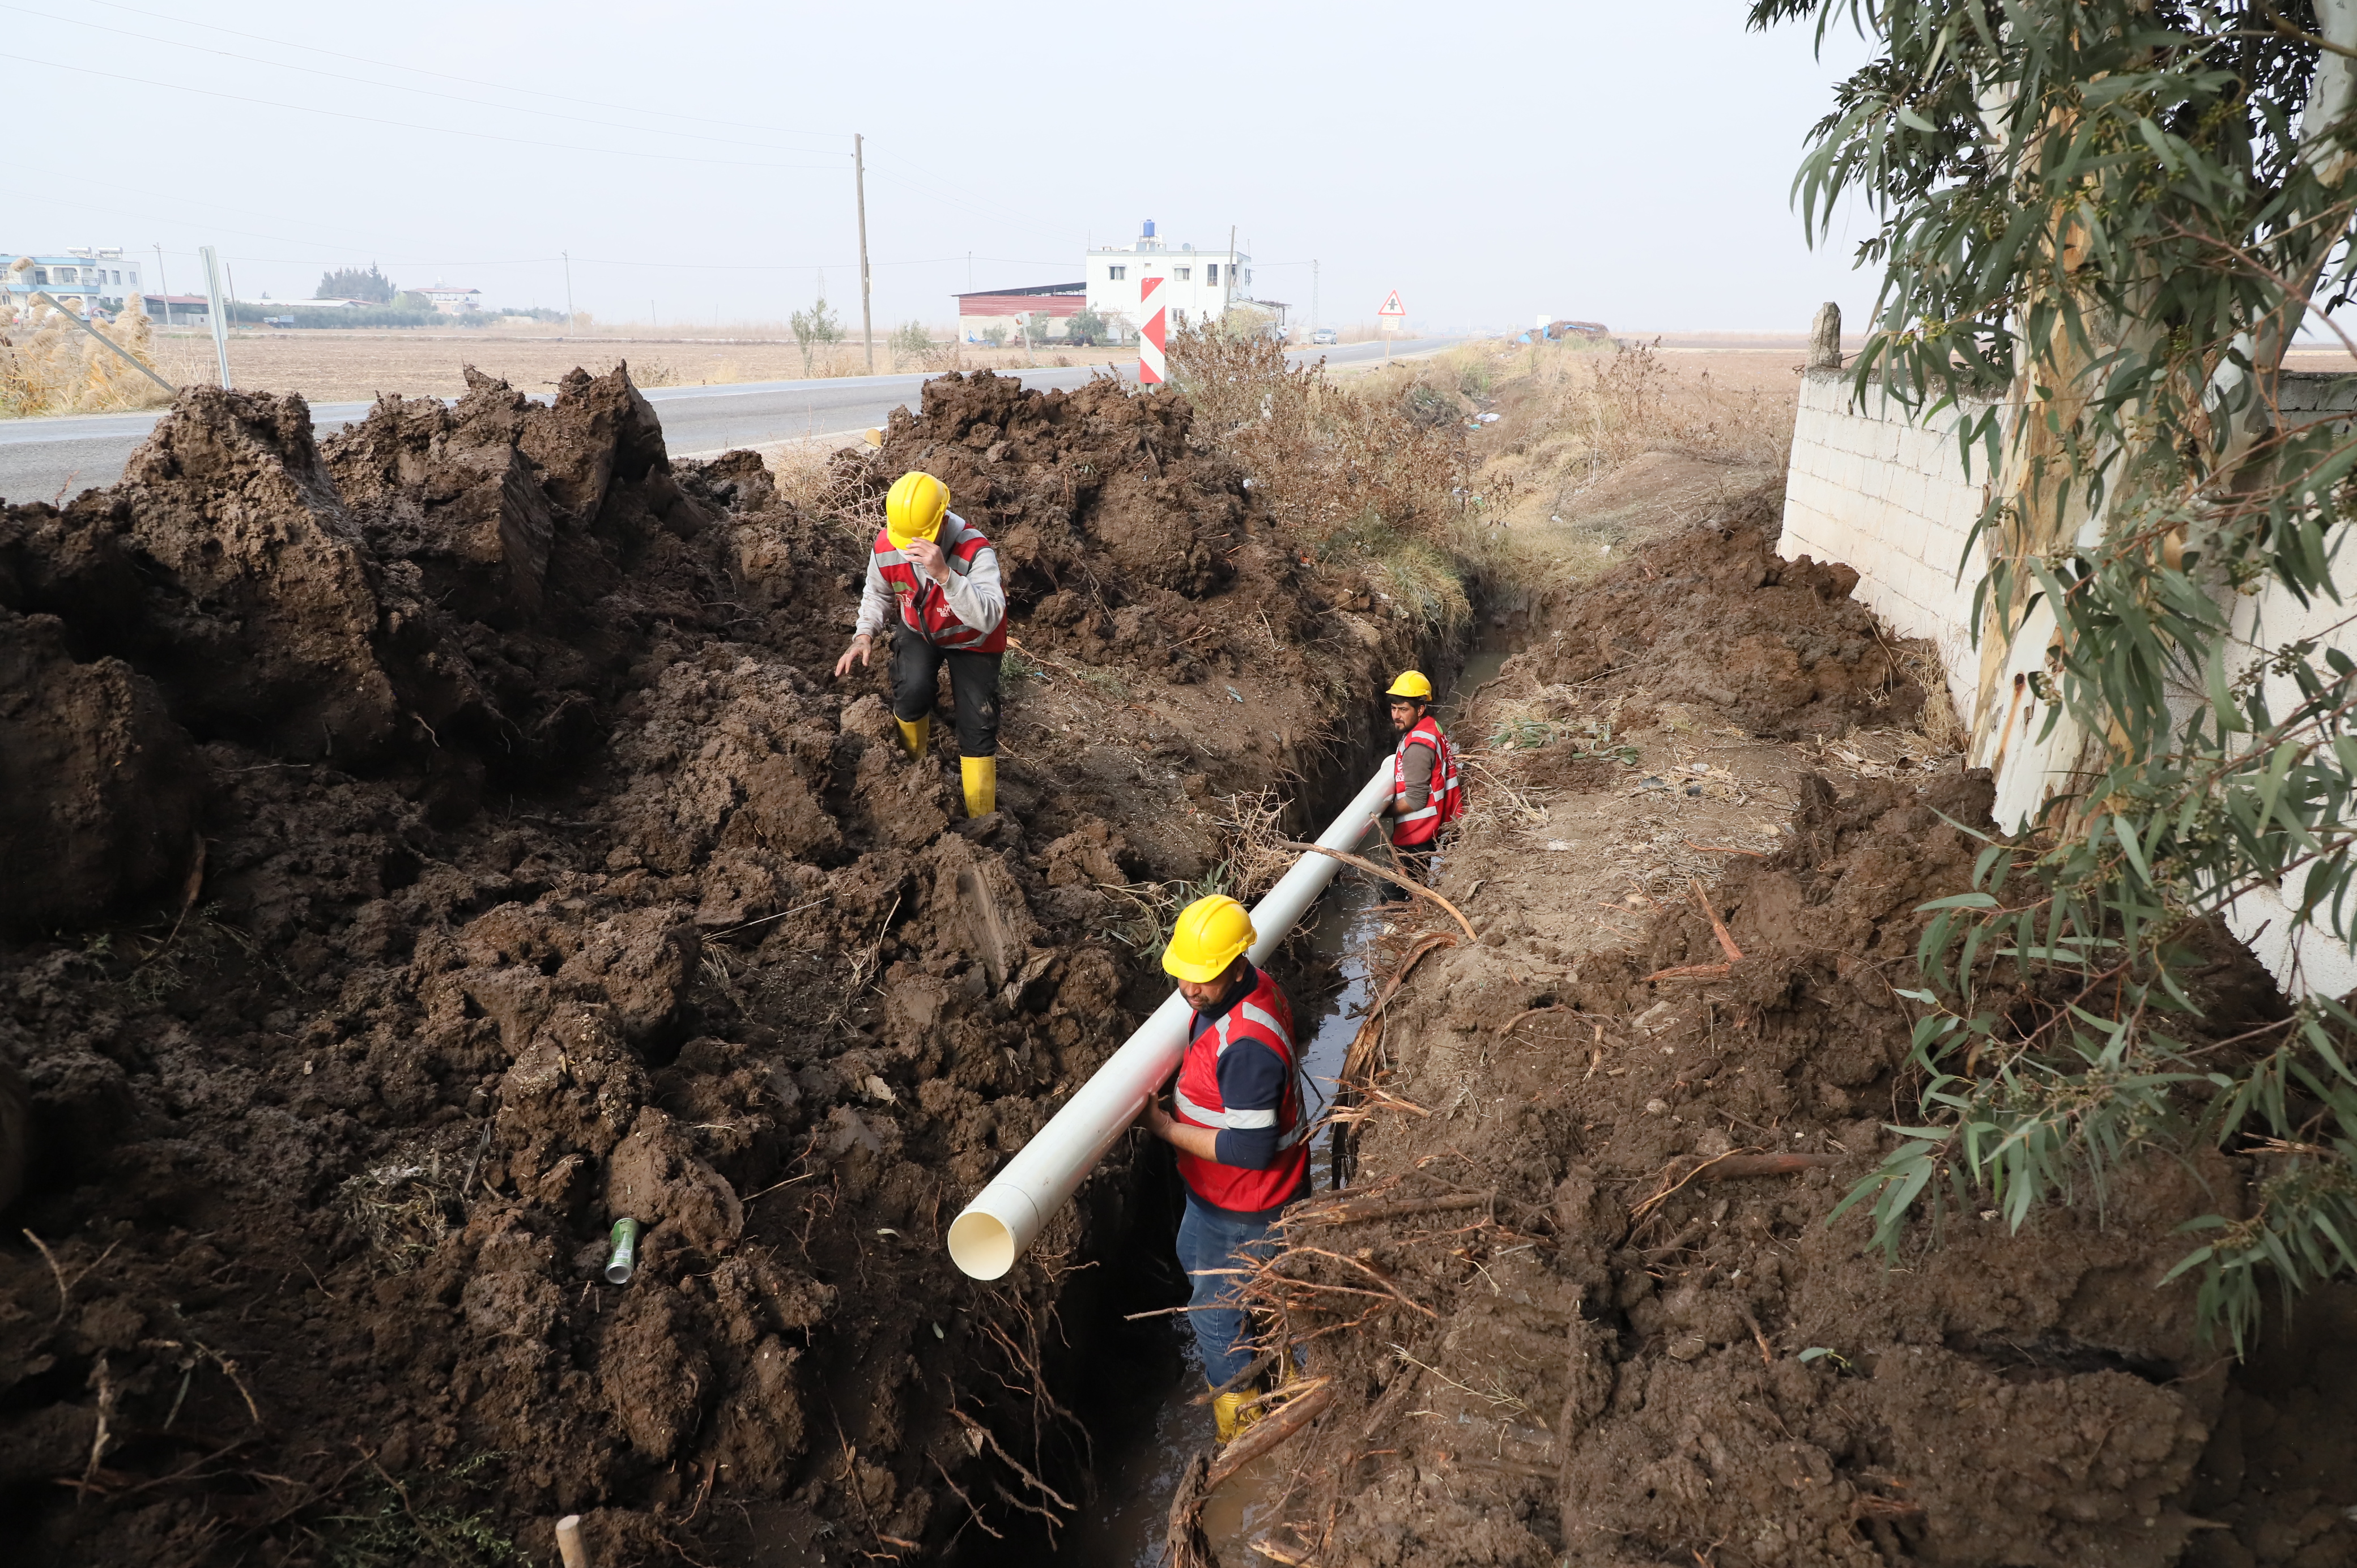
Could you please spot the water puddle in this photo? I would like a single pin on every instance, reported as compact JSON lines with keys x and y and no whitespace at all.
{"x":1139,"y":1468}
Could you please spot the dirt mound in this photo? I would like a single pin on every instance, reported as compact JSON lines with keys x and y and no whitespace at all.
{"x":98,"y":797}
{"x":1112,"y":526}
{"x":1648,"y":1341}
{"x":1712,"y":616}
{"x":483,"y":851}
{"x":1094,"y":480}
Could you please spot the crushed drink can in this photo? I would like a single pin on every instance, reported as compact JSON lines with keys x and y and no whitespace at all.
{"x":622,"y":1262}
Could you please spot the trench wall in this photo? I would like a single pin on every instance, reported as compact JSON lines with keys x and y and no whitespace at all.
{"x":1891,"y":497}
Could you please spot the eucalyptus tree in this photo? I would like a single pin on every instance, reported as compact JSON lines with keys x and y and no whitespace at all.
{"x":2103,"y":223}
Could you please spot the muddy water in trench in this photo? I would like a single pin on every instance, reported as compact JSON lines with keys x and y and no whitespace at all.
{"x":1124,"y":1524}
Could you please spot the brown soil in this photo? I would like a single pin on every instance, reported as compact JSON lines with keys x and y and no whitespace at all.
{"x":426,"y":848}
{"x":1616,"y":1358}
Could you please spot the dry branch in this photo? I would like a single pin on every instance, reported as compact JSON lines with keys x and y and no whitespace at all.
{"x":1719,"y":927}
{"x":1734,"y":1164}
{"x":1271,"y":1431}
{"x":1508,"y":1026}
{"x":1690,"y":972}
{"x":1367,"y":1269}
{"x":1371,"y":869}
{"x":1362,"y":1211}
{"x":1362,"y":1043}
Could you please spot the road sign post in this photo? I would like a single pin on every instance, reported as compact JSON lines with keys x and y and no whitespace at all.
{"x":218,"y":309}
{"x":1387,"y":321}
{"x":1152,"y":370}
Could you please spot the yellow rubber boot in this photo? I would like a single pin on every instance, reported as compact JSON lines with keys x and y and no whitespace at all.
{"x":914,"y":737}
{"x":981,"y":777}
{"x":1233,"y":1414}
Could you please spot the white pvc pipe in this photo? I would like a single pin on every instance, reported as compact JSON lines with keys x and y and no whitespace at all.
{"x":1007,"y":1215}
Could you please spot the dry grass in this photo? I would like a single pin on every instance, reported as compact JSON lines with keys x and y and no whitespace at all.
{"x":1596,"y":447}
{"x":400,"y":1210}
{"x":1372,"y":474}
{"x":1580,"y":410}
{"x":56,"y":369}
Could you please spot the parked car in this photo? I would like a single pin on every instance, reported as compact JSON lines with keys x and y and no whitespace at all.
{"x":1325,"y":334}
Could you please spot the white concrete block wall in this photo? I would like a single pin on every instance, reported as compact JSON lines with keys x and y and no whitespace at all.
{"x":1889,"y":500}
{"x":1889,"y":497}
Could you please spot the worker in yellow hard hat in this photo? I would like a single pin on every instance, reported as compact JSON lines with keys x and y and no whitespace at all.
{"x":944,"y":576}
{"x":1425,"y":794}
{"x":1239,"y":1125}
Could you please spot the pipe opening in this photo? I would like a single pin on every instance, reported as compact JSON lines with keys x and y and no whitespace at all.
{"x":982,"y":1245}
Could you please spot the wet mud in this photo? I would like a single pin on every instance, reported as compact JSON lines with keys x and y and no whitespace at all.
{"x":426,"y":847}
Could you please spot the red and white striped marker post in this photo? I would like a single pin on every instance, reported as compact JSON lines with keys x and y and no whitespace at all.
{"x":1150,"y":368}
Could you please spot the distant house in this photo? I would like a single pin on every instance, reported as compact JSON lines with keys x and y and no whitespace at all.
{"x":81,"y":280}
{"x":977,"y":313}
{"x":185,"y":309}
{"x":452,"y":301}
{"x":1191,"y":286}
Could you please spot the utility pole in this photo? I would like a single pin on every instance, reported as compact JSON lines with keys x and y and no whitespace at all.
{"x":571,"y":322}
{"x":1313,"y":295}
{"x":859,"y":175}
{"x":219,"y":311}
{"x":1228,"y":297}
{"x":164,"y":281}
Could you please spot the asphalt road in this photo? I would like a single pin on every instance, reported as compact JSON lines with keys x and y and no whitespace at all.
{"x":49,"y":460}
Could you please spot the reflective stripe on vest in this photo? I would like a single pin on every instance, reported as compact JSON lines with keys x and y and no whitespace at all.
{"x":924,"y":608}
{"x":1263,"y":1017}
{"x":1250,"y":1121}
{"x":1446,"y":801}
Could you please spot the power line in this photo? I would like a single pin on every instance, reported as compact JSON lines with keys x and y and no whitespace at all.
{"x":389,"y":86}
{"x":412,"y":125}
{"x":469,"y":80}
{"x":344,"y":254}
{"x":948,"y":191}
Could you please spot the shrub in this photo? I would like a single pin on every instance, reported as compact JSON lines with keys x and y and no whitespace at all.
{"x":910,"y":343}
{"x":815,"y":329}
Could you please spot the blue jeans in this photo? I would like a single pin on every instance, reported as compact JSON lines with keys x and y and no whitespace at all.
{"x":1212,"y":1240}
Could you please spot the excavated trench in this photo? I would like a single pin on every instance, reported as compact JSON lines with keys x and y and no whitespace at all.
{"x":425,"y":848}
{"x":1698,"y":865}
{"x":1150,"y":1423}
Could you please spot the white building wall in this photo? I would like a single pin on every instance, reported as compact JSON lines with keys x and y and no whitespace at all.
{"x":1891,"y":498}
{"x":1195,"y":295}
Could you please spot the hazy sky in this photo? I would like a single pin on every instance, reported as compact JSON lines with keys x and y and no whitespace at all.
{"x":1620,"y":163}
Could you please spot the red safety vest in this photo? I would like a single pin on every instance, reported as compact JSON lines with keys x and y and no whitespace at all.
{"x":1445,"y":804}
{"x":923,"y":606}
{"x":1264,"y":1016}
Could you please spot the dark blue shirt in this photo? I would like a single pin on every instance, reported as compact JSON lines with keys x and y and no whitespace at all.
{"x":1252,"y":1078}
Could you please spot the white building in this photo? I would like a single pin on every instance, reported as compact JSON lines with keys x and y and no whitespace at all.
{"x":1197,"y":285}
{"x":91,"y":278}
{"x":452,"y":301}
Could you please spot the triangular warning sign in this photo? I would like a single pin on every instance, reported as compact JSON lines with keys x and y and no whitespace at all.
{"x":1392,"y":305}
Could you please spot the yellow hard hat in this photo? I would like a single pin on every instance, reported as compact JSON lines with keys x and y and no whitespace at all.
{"x":1411,"y":684}
{"x":915,"y":507}
{"x":1212,"y":934}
